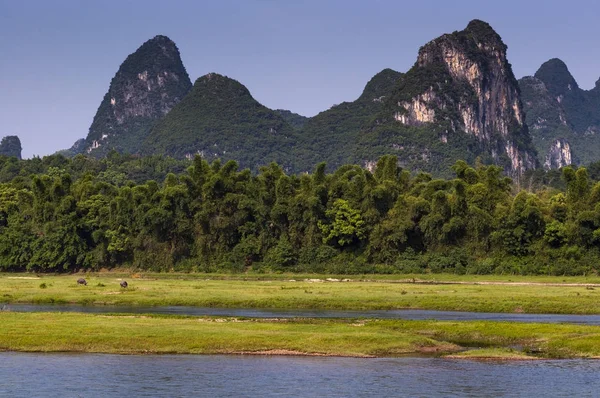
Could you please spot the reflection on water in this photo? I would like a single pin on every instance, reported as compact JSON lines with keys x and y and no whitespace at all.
{"x":89,"y":375}
{"x":275,"y":313}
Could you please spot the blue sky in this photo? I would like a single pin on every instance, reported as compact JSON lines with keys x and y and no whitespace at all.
{"x":58,"y":56}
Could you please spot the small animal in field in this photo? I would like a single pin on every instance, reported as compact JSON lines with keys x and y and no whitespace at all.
{"x":81,"y":281}
{"x":123,"y":284}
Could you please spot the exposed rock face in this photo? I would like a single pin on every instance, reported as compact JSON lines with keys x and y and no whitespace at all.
{"x":11,"y":146}
{"x":419,"y":109}
{"x":146,"y":87}
{"x":559,"y":154}
{"x":557,"y":108}
{"x":463,"y":82}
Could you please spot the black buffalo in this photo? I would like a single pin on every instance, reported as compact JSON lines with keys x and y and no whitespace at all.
{"x":123,"y":284}
{"x":81,"y":281}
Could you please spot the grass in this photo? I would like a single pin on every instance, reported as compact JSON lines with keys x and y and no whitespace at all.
{"x":126,"y":334}
{"x":508,"y":354}
{"x":298,"y":291}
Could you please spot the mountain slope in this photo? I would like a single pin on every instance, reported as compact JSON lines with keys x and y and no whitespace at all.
{"x":219,"y":118}
{"x":295,"y":120}
{"x":145,"y":88}
{"x":331,"y":135}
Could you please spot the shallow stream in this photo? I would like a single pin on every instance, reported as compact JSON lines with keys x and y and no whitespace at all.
{"x":275,"y":313}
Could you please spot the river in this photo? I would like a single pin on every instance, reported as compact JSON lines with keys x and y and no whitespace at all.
{"x":94,"y":375}
{"x":275,"y":313}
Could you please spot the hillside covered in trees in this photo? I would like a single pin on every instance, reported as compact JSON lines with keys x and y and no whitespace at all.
{"x":157,"y":213}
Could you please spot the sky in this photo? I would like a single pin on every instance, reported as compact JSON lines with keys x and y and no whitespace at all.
{"x":57,"y":57}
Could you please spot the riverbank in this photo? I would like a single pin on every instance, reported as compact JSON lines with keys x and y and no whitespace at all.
{"x":540,"y":295}
{"x":151,"y":334}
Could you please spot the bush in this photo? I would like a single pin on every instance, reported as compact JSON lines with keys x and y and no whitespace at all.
{"x":349,"y":264}
{"x":282,"y":255}
{"x":316,"y":255}
{"x":409,"y":262}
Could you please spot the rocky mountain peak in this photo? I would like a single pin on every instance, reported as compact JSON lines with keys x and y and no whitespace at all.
{"x":478,"y":26}
{"x":482,"y":32}
{"x":557,"y":78}
{"x":477,"y":41}
{"x":146,"y":87}
{"x":11,"y":146}
{"x":463,"y":82}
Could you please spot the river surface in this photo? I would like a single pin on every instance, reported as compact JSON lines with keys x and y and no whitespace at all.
{"x":93,"y":375}
{"x":274,"y":313}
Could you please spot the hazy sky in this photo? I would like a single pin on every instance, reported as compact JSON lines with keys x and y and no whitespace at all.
{"x":57,"y":57}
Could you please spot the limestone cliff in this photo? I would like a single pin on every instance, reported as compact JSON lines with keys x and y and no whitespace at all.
{"x":463,"y":83}
{"x":149,"y":83}
{"x":559,"y":155}
{"x":11,"y":146}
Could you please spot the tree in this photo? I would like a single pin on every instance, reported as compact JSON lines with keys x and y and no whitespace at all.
{"x":345,"y":226}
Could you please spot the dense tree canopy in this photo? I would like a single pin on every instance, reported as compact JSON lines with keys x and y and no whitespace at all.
{"x":157,"y":213}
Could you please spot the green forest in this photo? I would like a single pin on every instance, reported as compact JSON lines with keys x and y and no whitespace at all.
{"x":160,"y":214}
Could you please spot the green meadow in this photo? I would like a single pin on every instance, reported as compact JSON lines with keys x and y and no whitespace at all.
{"x":144,"y":333}
{"x":563,"y":295}
{"x":138,"y":334}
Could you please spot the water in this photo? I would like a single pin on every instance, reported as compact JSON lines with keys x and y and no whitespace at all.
{"x":274,"y":313}
{"x":90,"y":375}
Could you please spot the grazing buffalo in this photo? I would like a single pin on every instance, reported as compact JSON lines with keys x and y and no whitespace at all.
{"x":123,"y":283}
{"x":81,"y":281}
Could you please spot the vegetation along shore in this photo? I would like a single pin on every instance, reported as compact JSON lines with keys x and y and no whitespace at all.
{"x":563,"y":295}
{"x":162,"y":214}
{"x":140,"y":334}
{"x":147,"y":333}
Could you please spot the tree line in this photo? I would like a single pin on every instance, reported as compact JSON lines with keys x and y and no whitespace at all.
{"x":64,"y":215}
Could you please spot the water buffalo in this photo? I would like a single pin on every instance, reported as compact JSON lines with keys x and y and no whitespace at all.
{"x":123,"y":283}
{"x":81,"y":281}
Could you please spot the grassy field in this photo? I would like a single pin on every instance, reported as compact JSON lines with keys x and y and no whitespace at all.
{"x":440,"y":292}
{"x":126,"y":334}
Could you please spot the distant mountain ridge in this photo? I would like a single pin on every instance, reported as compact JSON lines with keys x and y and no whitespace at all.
{"x":562,"y":115}
{"x":460,"y":100}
